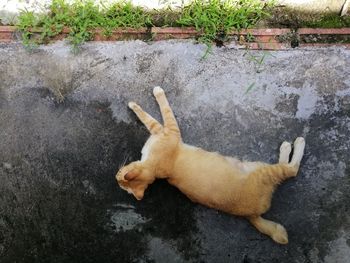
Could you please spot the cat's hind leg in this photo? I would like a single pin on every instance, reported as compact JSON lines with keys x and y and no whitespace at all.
{"x":285,"y":151}
{"x":276,"y":231}
{"x":151,"y":124}
{"x":291,"y":169}
{"x":170,"y":122}
{"x":274,"y":174}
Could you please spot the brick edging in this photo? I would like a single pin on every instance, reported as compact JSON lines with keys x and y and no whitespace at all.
{"x":7,"y":33}
{"x":264,"y":38}
{"x":324,"y":31}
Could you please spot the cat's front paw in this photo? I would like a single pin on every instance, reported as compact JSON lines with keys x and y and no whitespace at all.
{"x":157,"y":91}
{"x":132,"y":105}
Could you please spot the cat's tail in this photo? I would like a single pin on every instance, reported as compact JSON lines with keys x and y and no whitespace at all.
{"x":276,"y":231}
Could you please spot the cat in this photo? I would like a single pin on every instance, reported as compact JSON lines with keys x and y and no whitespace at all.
{"x":220,"y":182}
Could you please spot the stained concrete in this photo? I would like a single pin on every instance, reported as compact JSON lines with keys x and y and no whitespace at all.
{"x":65,"y":129}
{"x":314,"y":6}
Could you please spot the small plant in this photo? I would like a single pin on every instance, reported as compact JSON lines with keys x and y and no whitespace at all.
{"x":249,"y":88}
{"x":258,"y":59}
{"x":27,"y":20}
{"x":259,"y":62}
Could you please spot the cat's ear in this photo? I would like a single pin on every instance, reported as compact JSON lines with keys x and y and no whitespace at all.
{"x":130,"y":176}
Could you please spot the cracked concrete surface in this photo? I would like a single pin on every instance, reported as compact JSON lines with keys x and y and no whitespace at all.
{"x":65,"y":129}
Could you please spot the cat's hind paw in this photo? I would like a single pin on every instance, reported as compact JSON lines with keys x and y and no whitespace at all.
{"x":286,"y":147}
{"x":157,"y":91}
{"x":299,"y":146}
{"x":285,"y":150}
{"x":300,"y":141}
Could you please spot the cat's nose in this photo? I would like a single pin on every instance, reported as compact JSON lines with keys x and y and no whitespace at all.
{"x":120,"y":178}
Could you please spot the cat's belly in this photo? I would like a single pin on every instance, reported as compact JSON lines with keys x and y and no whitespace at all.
{"x":215,"y":194}
{"x":213,"y":180}
{"x":223,"y":202}
{"x":222,"y":192}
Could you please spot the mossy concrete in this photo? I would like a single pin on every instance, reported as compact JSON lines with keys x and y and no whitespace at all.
{"x":65,"y":129}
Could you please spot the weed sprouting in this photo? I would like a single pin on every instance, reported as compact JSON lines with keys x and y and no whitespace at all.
{"x":258,"y":59}
{"x":249,"y":88}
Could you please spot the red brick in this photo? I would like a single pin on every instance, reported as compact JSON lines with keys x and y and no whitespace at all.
{"x":262,"y":31}
{"x":7,"y":33}
{"x":267,"y":46}
{"x":159,"y":33}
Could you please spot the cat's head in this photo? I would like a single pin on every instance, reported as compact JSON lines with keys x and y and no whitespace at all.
{"x":134,"y":179}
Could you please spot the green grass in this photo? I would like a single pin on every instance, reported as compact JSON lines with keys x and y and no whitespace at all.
{"x":216,"y":18}
{"x":213,"y":18}
{"x":81,"y":17}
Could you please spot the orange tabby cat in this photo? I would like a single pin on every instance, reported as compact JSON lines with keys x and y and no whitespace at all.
{"x":221,"y":182}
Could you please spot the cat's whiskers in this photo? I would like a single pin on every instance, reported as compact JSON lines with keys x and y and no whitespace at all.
{"x":124,"y":162}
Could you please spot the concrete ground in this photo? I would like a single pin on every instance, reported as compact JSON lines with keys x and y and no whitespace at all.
{"x":65,"y":129}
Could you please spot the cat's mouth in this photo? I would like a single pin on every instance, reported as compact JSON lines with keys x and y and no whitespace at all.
{"x":130,"y":191}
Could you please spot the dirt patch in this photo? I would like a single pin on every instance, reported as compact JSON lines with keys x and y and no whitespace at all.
{"x":315,"y":38}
